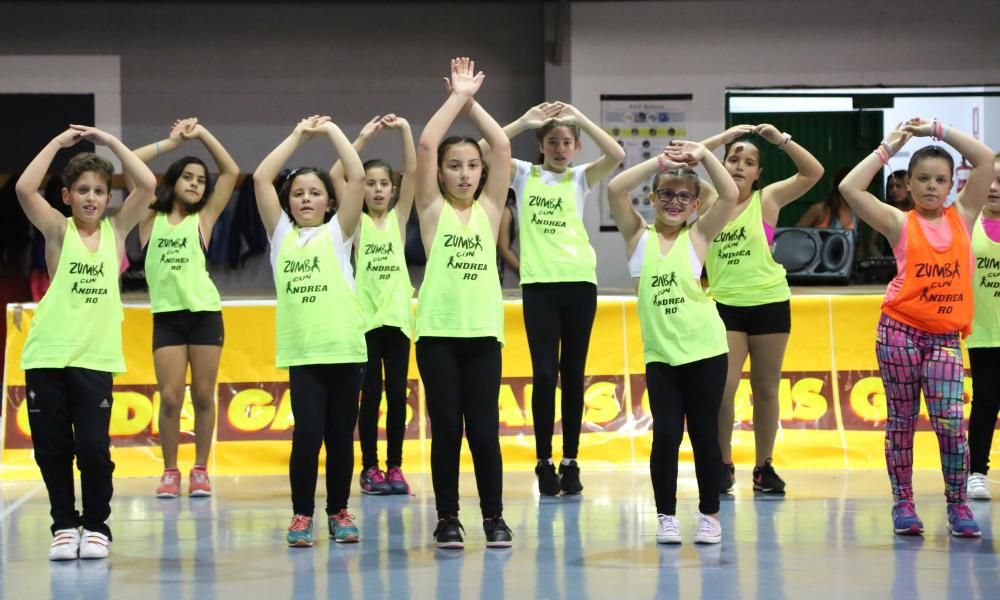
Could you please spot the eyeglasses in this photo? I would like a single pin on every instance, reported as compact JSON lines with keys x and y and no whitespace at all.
{"x":682,"y":198}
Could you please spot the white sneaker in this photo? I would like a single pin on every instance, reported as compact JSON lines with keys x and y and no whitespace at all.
{"x":669,"y":531}
{"x":65,"y":544}
{"x":709,"y":530}
{"x":978,"y":488}
{"x":94,"y":545}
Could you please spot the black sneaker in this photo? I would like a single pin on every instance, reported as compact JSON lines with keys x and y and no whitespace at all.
{"x":569,"y":478}
{"x":448,"y":533}
{"x":498,"y":535}
{"x":729,"y":478}
{"x":766,"y":480}
{"x":548,"y":481}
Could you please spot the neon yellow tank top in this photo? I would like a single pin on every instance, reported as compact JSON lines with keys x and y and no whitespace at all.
{"x":175,"y":268}
{"x":460,"y":296}
{"x":318,"y":316}
{"x":383,"y":282}
{"x":78,"y":323}
{"x":985,"y":290}
{"x":554,"y":242}
{"x":741,"y":270}
{"x":679,"y":323}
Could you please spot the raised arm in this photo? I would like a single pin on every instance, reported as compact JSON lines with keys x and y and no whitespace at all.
{"x":533,"y":118}
{"x":370,"y":129}
{"x":612,"y":154}
{"x":494,"y":194}
{"x":350,"y":188}
{"x":48,"y":220}
{"x":728,"y":136}
{"x":972,"y":198}
{"x":630,"y":223}
{"x":229,"y":172}
{"x":465,"y":82}
{"x":722,"y":210}
{"x":407,"y":185}
{"x":780,"y":193}
{"x":136,"y":204}
{"x":883,"y":217}
{"x":263,"y":178}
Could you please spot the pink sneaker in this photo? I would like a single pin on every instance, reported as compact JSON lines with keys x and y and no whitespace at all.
{"x":373,"y":482}
{"x":397,"y":482}
{"x":198,"y":484}
{"x":170,"y":484}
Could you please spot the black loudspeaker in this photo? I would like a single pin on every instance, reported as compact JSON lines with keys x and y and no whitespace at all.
{"x":815,"y":255}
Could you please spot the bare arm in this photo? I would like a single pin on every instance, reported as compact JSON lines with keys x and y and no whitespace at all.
{"x":503,"y":242}
{"x":229,"y":172}
{"x":612,"y":153}
{"x":812,"y":216}
{"x":628,"y":220}
{"x":780,"y":193}
{"x":972,"y":198}
{"x":370,"y":129}
{"x":48,"y":220}
{"x":884,"y":218}
{"x":428,"y":197}
{"x":263,"y":178}
{"x":494,"y":194}
{"x":407,"y":185}
{"x":136,"y":204}
{"x":351,"y":188}
{"x":533,"y":118}
{"x":713,"y":220}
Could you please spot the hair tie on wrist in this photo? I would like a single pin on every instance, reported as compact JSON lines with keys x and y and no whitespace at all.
{"x":663,"y":166}
{"x":788,"y":137}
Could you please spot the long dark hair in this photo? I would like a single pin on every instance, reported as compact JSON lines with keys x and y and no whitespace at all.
{"x":164,"y":197}
{"x":454,"y":140}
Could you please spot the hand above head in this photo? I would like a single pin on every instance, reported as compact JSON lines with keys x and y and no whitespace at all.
{"x":93,"y":135}
{"x":736,"y":132}
{"x":393,"y":122}
{"x":465,"y":81}
{"x":372,"y":127}
{"x":312,"y":125}
{"x":685,"y":153}
{"x":69,"y":138}
{"x":179,"y":127}
{"x":898,"y":137}
{"x":919,"y":127}
{"x":568,"y":114}
{"x":540,"y":115}
{"x":769,"y":132}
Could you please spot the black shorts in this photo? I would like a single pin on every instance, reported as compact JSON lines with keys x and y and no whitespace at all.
{"x":762,"y":319}
{"x":186,"y":328}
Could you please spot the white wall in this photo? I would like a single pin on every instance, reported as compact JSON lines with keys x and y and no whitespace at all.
{"x":704,"y":47}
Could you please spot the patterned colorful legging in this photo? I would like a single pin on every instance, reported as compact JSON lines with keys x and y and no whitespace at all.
{"x":912,"y":360}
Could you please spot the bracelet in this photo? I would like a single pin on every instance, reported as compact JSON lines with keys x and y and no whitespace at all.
{"x":882,"y":154}
{"x":938,"y":130}
{"x":157,"y":148}
{"x":663,"y":166}
{"x":788,"y":137}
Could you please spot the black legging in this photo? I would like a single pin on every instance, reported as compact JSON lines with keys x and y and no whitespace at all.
{"x":325,"y":407}
{"x":462,"y":384}
{"x":389,"y":346}
{"x":558,"y":318}
{"x":985,"y":363}
{"x":693,"y":391}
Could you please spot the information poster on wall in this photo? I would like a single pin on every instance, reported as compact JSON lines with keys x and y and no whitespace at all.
{"x":642,"y":125}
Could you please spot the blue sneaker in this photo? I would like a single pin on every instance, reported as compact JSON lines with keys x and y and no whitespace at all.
{"x":300,"y":532}
{"x":961,"y":522}
{"x":342,"y":528}
{"x":905,"y":520}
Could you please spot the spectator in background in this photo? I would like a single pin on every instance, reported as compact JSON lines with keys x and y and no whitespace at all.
{"x":832,"y":213}
{"x":506,"y":257}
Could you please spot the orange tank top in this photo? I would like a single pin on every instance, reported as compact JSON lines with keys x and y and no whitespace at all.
{"x":936,"y":294}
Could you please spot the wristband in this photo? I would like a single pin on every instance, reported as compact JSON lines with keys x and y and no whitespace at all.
{"x":663,"y":166}
{"x":157,"y":148}
{"x":788,"y":137}
{"x":882,"y":154}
